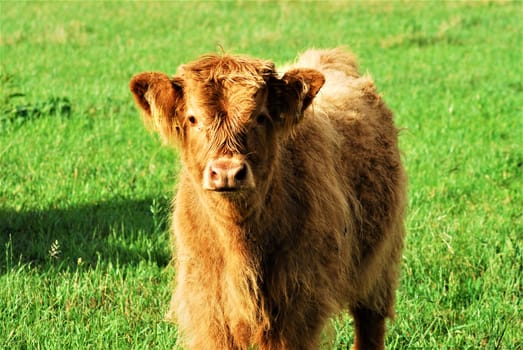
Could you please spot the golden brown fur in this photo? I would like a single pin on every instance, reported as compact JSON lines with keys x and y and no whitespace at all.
{"x":287,"y":211}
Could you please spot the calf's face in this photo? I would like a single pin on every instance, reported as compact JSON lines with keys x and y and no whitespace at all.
{"x":228,"y":115}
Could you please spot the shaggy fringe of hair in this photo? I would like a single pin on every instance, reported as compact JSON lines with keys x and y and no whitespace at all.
{"x":228,"y":69}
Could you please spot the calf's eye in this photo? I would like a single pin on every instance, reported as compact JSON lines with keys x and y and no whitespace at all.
{"x":192,"y":120}
{"x":261,"y":119}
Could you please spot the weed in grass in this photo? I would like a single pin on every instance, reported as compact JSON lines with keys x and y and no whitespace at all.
{"x":15,"y":109}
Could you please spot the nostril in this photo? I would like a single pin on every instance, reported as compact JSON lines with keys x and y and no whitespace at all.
{"x":214,"y":175}
{"x":241,"y":174}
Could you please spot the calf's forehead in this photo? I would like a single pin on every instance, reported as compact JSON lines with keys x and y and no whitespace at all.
{"x":225,"y":100}
{"x":225,"y":84}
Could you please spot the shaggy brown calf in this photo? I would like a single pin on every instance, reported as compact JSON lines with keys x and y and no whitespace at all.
{"x":287,"y":211}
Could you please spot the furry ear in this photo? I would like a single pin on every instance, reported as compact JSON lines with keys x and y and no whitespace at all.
{"x":160,"y":98}
{"x":293,"y":93}
{"x":306,"y":83}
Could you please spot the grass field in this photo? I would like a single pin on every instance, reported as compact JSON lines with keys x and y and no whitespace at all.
{"x":85,"y":189}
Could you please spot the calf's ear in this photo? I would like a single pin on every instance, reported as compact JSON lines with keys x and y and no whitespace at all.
{"x":294,"y":92}
{"x":159,"y":98}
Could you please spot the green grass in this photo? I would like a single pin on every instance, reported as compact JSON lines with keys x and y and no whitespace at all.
{"x":85,"y":189}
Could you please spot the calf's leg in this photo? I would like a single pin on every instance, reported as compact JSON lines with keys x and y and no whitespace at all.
{"x":369,"y":328}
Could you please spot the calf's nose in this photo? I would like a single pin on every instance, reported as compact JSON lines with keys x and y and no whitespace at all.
{"x":227,"y":174}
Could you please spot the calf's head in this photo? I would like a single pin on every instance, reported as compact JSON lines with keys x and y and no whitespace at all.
{"x":227,"y":114}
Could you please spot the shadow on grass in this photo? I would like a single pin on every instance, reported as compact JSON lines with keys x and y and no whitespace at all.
{"x":118,"y":231}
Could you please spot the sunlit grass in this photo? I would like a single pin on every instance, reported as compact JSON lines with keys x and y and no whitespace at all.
{"x":85,"y":189}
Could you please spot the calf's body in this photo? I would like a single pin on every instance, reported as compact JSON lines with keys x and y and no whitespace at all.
{"x":290,"y":199}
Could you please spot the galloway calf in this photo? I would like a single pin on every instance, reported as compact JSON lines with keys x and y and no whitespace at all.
{"x":290,"y":199}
